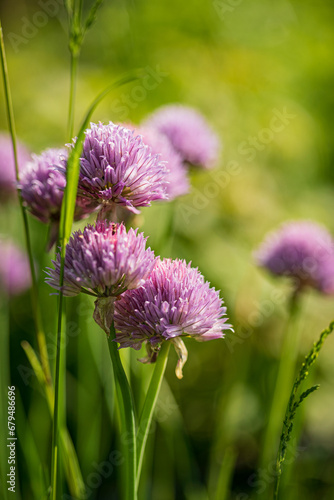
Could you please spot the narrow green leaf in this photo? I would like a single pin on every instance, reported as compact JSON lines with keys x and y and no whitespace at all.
{"x":68,"y":206}
{"x":66,"y":220}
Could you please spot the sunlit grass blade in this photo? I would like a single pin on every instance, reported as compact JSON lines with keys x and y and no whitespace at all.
{"x":68,"y":205}
{"x":295,"y":401}
{"x":66,"y":220}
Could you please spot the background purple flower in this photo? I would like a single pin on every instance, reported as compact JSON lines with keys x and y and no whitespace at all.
{"x":177,"y":176}
{"x":188,"y":132}
{"x":7,"y":165}
{"x":42,"y":184}
{"x":118,"y":168}
{"x":303,"y":250}
{"x":15,"y":275}
{"x":174,"y":302}
{"x":42,"y":187}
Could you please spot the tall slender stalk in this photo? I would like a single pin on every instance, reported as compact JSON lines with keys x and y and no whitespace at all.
{"x":34,"y":289}
{"x":65,"y":227}
{"x":126,"y":406}
{"x":74,"y":68}
{"x":55,"y":426}
{"x":283,"y":383}
{"x":225,"y":475}
{"x":150,"y":403}
{"x":74,"y":46}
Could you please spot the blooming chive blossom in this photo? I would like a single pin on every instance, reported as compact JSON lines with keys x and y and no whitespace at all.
{"x":176,"y":178}
{"x":7,"y":165}
{"x":188,"y":132}
{"x":15,"y":275}
{"x":174,"y":302}
{"x":42,"y":184}
{"x":42,"y":187}
{"x":117,"y":168}
{"x":104,"y":260}
{"x":302,"y":250}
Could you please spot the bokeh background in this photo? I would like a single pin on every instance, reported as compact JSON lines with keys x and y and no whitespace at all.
{"x":241,"y":64}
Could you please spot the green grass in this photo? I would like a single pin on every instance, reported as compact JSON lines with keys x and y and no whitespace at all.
{"x":260,"y":57}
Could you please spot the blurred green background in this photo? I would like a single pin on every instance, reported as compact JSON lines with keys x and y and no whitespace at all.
{"x":241,"y":64}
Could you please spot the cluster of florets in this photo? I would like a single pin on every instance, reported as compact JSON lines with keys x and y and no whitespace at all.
{"x":118,"y":168}
{"x":42,"y":184}
{"x":173,"y":303}
{"x":149,"y":300}
{"x":122,"y":168}
{"x":103,"y":260}
{"x":303,"y":251}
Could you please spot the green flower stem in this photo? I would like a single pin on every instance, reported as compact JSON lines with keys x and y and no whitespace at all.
{"x":126,"y":407}
{"x":74,"y":69}
{"x":66,"y":220}
{"x":65,"y":227}
{"x":284,"y":381}
{"x":34,"y":290}
{"x":149,"y":404}
{"x":58,"y":386}
{"x":225,"y":475}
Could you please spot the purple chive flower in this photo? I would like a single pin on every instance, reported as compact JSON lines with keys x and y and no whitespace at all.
{"x":117,"y":168}
{"x":42,"y":184}
{"x":42,"y":187}
{"x":188,"y":132}
{"x":15,"y":276}
{"x":176,"y":178}
{"x":104,"y":260}
{"x":173,"y":303}
{"x":302,"y":250}
{"x":7,"y":165}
